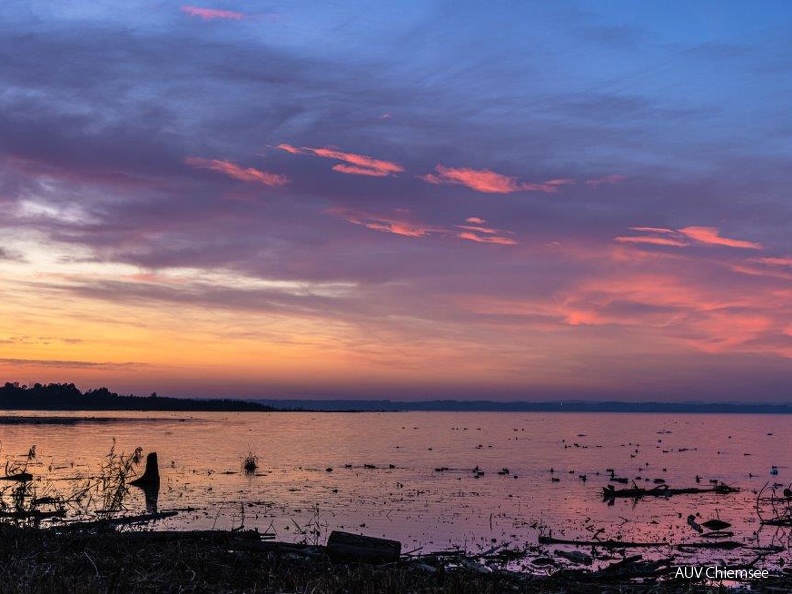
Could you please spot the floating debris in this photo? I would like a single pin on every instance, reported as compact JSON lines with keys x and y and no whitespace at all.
{"x":636,"y":492}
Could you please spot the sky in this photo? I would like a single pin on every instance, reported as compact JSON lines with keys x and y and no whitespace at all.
{"x":509,"y":200}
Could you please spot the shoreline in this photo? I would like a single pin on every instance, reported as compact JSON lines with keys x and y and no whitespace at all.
{"x":106,"y":559}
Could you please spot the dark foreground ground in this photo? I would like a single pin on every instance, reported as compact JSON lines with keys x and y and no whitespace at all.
{"x":105,"y":560}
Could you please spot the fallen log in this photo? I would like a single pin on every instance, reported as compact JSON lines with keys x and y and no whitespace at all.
{"x":622,"y":544}
{"x":354,"y":547}
{"x":609,"y":493}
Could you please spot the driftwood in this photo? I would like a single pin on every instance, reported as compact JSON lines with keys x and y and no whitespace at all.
{"x":609,"y":493}
{"x":344,"y":546}
{"x":621,"y":544}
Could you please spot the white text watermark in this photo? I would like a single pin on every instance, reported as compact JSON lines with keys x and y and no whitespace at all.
{"x":715,"y":572}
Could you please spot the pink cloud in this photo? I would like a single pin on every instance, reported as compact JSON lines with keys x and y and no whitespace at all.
{"x":651,"y":240}
{"x":209,"y":14}
{"x":476,"y":231}
{"x":289,"y":149}
{"x":250,"y":174}
{"x":608,"y":179}
{"x":483,"y":180}
{"x":775,"y":261}
{"x":675,"y":302}
{"x":756,"y":271}
{"x":682,"y":237}
{"x":772,"y":267}
{"x":711,"y":236}
{"x":351,"y":163}
{"x":354,"y":170}
{"x":497,"y":239}
{"x":652,"y":230}
{"x":725,"y":330}
{"x":401,"y":222}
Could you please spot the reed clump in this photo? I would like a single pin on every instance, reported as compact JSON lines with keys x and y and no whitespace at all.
{"x":250,"y":462}
{"x":26,"y":499}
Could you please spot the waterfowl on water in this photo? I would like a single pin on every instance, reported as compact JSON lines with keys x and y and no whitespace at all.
{"x":691,"y":520}
{"x":716,"y":524}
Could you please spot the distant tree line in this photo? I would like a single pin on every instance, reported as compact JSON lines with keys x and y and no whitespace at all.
{"x":69,"y":397}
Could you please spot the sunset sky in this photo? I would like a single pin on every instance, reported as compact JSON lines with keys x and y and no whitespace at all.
{"x":501,"y":200}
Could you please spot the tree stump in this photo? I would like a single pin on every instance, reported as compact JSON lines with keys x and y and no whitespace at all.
{"x":151,"y":476}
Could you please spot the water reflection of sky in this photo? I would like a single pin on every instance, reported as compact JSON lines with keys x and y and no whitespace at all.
{"x":406,"y":497}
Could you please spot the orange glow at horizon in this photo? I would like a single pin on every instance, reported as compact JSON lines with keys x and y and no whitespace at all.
{"x":140,"y":330}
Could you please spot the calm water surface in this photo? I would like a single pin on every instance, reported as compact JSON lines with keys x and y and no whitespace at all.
{"x":405,"y":496}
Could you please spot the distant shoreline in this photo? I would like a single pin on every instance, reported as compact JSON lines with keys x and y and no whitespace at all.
{"x":67,"y":397}
{"x":492,"y":406}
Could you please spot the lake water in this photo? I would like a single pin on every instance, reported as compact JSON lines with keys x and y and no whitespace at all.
{"x":385,"y":479}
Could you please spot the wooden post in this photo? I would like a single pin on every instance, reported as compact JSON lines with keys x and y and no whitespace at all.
{"x":343,"y":546}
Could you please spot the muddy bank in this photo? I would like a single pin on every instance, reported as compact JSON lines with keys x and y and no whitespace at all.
{"x":104,"y":560}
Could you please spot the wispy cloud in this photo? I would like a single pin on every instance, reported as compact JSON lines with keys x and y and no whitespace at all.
{"x":772,"y":267}
{"x":683,"y":237}
{"x":398,"y":222}
{"x":402,"y":222}
{"x":711,"y":235}
{"x":293,"y":150}
{"x":608,"y":179}
{"x":209,"y":14}
{"x":651,"y":240}
{"x":714,"y":319}
{"x":484,"y":180}
{"x":770,"y":272}
{"x":69,"y":364}
{"x":652,"y":229}
{"x":249,"y":174}
{"x":351,"y":163}
{"x":786,"y":261}
{"x":498,"y":239}
{"x":475,"y":230}
{"x":7,"y":255}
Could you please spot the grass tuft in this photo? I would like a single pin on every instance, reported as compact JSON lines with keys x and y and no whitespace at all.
{"x":250,"y":462}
